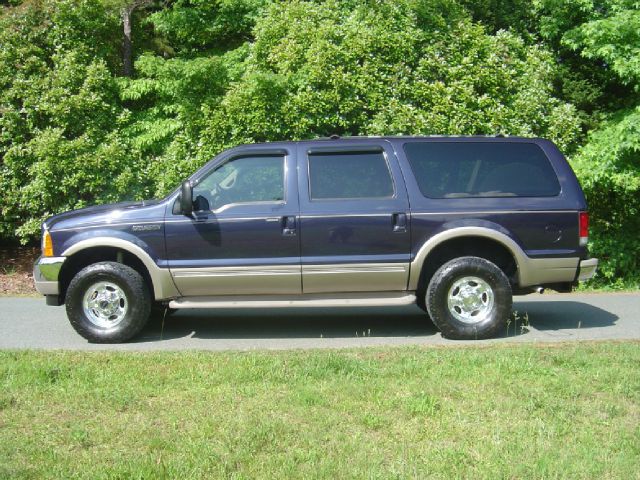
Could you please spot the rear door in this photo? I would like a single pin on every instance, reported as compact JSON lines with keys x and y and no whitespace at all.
{"x":354,"y":218}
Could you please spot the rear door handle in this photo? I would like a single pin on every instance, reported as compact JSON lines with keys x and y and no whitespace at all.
{"x":289,"y":227}
{"x":399,"y":222}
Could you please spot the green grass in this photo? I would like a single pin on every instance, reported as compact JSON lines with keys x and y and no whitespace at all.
{"x":601,"y":286}
{"x":569,"y":411}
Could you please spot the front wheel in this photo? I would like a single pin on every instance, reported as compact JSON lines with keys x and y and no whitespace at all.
{"x":469,"y":298}
{"x":108,"y":302}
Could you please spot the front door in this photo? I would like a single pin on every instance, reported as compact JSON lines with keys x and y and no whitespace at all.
{"x":354,"y":218}
{"x":244,"y":236}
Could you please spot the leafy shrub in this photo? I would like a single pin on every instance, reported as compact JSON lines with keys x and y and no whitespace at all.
{"x":609,"y":169}
{"x":375,"y":68}
{"x":213,"y":74}
{"x":60,"y":112}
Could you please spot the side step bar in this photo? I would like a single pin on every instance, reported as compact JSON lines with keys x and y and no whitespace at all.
{"x":368,"y":299}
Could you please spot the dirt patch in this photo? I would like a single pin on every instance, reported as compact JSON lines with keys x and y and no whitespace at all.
{"x":16,"y":270}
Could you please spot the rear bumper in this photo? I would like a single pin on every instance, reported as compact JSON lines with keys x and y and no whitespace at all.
{"x":587,"y":269}
{"x":45,"y":274}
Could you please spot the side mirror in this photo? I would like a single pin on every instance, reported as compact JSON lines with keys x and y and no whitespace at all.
{"x":186,"y":198}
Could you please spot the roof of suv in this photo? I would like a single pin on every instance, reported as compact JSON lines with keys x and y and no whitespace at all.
{"x":335,"y":138}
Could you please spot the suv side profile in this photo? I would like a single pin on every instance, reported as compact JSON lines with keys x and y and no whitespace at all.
{"x":455,"y":224}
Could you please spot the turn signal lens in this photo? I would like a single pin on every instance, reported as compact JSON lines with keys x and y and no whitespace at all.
{"x":47,"y":244}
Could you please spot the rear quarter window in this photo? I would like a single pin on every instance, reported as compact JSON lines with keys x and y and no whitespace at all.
{"x":479,"y":170}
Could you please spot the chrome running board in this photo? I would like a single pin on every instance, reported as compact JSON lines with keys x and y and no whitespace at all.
{"x":368,"y":299}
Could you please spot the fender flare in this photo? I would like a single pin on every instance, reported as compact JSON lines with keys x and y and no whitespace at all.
{"x":162,"y":283}
{"x":520,"y":257}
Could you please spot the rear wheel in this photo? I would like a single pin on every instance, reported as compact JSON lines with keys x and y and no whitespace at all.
{"x":469,"y":298}
{"x":108,"y":302}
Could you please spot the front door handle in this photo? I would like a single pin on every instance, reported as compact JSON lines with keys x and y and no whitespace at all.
{"x":289,"y":227}
{"x":399,"y":222}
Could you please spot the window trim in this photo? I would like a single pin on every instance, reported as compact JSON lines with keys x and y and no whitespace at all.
{"x":476,"y":197}
{"x":251,"y":154}
{"x":349,"y":150}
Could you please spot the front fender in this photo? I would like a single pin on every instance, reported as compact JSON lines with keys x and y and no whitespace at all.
{"x":103,"y":237}
{"x":163,"y":287}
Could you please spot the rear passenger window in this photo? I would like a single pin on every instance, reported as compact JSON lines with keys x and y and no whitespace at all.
{"x":468,"y":169}
{"x":343,"y":175}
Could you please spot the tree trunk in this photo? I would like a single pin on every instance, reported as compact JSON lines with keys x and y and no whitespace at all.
{"x":127,"y":45}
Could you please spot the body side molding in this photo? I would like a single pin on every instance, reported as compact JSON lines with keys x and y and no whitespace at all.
{"x":163,"y":286}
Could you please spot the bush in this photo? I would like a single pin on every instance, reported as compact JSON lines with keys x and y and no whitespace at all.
{"x":71,"y":156}
{"x":609,"y":170}
{"x":352,"y":68}
{"x":209,"y":75}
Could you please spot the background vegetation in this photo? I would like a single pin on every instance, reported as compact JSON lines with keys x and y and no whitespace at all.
{"x":103,"y":100}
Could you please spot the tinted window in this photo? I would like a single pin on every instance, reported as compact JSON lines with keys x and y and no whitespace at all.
{"x":454,"y":170}
{"x":242,"y":180}
{"x":349,"y":175}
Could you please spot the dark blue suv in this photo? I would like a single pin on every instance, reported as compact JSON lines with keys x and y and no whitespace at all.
{"x":454,"y":224}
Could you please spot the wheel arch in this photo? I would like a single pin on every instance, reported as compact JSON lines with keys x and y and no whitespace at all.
{"x":483,"y":242}
{"x":92,"y":250}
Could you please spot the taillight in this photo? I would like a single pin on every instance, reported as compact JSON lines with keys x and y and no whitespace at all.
{"x":584,"y":228}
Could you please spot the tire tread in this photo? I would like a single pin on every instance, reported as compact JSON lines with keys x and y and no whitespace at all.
{"x":438,"y":289}
{"x":140,"y":302}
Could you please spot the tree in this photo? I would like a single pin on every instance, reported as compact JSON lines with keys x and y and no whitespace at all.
{"x":126,"y":13}
{"x":78,"y":125}
{"x":318,"y":68}
{"x":608,"y":164}
{"x":60,"y":147}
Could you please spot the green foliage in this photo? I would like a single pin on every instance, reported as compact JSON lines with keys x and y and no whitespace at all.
{"x":324,"y":68}
{"x":609,"y":169}
{"x":515,"y":15}
{"x":614,"y":40}
{"x":197,"y":25}
{"x":587,"y":79}
{"x":59,"y":104}
{"x":608,"y":165}
{"x":72,"y":158}
{"x":213,"y":74}
{"x":174,"y":92}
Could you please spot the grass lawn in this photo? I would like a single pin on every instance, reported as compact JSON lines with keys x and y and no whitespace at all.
{"x":570,"y":411}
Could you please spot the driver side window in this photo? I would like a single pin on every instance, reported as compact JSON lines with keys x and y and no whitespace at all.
{"x":247,"y":179}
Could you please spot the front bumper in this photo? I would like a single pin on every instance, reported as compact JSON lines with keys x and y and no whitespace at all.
{"x":45,"y":274}
{"x":587,"y":269}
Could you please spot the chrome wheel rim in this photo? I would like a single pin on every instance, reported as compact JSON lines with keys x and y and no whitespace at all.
{"x":105,"y":304}
{"x":470,"y":300}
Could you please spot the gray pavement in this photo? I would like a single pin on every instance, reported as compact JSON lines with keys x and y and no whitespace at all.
{"x":29,"y":323}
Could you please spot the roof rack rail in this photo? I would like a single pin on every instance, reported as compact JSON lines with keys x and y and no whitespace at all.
{"x":334,"y":136}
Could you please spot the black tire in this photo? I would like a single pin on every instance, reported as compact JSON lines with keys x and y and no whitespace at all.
{"x":455,"y":281}
{"x":131,"y":292}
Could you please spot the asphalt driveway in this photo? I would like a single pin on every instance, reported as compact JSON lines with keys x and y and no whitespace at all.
{"x":29,"y":323}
